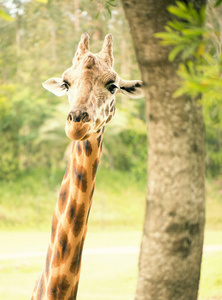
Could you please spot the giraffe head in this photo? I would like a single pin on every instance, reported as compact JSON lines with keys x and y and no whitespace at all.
{"x":91,"y":84}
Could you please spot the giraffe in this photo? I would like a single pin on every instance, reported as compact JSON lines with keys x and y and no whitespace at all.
{"x":90,"y":84}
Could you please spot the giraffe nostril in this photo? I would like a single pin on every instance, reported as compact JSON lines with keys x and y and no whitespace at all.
{"x":69,"y":117}
{"x":85,"y":117}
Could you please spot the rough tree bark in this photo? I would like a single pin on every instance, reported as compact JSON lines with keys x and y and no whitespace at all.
{"x":171,"y":250}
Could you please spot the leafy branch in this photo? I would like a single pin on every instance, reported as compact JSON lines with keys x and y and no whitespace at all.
{"x":186,"y":33}
{"x":197,"y":41}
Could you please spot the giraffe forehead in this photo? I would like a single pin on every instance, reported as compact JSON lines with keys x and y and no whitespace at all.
{"x":98,"y":73}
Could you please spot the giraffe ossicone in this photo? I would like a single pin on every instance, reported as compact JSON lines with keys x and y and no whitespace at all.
{"x":91,"y":85}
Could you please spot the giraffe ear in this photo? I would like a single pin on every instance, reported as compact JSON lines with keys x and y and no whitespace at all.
{"x":131,"y":88}
{"x":56,"y":86}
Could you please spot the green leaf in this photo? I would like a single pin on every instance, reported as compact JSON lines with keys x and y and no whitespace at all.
{"x":189,"y":51}
{"x":111,"y":3}
{"x":218,"y":3}
{"x":177,"y":25}
{"x":109,"y":11}
{"x":175,"y":52}
{"x":193,"y":12}
{"x":193,"y":32}
{"x":177,"y":12}
{"x":181,"y":5}
{"x":203,"y":13}
{"x":168,"y":38}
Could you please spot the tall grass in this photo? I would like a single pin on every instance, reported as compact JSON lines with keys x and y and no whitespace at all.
{"x":119,"y":201}
{"x":29,"y":201}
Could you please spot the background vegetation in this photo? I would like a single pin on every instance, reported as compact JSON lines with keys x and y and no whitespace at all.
{"x":37,"y":41}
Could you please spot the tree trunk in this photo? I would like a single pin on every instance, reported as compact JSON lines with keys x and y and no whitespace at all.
{"x":171,"y":250}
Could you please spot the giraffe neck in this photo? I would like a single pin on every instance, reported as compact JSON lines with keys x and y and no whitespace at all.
{"x":60,"y":277}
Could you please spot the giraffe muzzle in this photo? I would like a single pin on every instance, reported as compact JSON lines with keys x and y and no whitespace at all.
{"x":78,"y":125}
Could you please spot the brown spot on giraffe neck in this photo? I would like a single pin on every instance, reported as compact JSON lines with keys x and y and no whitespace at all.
{"x":79,"y":149}
{"x":80,"y":177}
{"x":94,"y":168}
{"x":62,"y":249}
{"x":63,"y":196}
{"x":92,"y":192}
{"x":76,"y":261}
{"x":58,"y":287}
{"x":99,"y":140}
{"x":76,"y":215}
{"x":88,"y":148}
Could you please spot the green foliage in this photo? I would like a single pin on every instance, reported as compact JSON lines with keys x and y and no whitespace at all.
{"x":192,"y":39}
{"x":213,"y":158}
{"x":218,"y":3}
{"x":35,"y":47}
{"x":22,"y":115}
{"x":184,"y":33}
{"x":131,"y":153}
{"x":128,"y":131}
{"x":195,"y":39}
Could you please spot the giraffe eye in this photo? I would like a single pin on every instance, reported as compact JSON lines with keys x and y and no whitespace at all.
{"x":65,"y":85}
{"x":111,"y":88}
